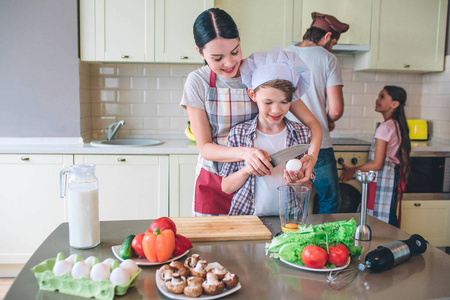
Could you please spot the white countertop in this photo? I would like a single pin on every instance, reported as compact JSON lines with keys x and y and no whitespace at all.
{"x":171,"y":145}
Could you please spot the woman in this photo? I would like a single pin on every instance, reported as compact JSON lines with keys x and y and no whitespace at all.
{"x":216,"y":100}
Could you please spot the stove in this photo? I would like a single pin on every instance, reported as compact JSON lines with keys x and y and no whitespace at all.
{"x":349,"y":141}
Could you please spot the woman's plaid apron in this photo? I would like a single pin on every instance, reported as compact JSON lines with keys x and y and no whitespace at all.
{"x":225,"y":108}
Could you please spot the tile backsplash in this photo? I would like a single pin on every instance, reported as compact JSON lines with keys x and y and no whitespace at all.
{"x":147,"y":97}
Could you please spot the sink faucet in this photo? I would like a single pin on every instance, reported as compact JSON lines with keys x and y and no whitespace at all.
{"x":113,"y":128}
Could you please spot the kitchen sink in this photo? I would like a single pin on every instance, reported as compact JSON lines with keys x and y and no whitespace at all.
{"x":126,"y":143}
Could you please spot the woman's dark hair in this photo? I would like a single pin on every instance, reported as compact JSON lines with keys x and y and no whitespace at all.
{"x":314,"y":34}
{"x":283,"y":85}
{"x":403,"y":154}
{"x":213,"y":23}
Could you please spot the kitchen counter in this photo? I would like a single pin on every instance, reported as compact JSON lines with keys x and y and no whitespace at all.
{"x":178,"y":144}
{"x":422,"y":277}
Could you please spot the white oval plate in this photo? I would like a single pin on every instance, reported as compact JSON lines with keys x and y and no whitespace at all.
{"x":317,"y":270}
{"x":162,"y":288}
{"x":142,"y":261}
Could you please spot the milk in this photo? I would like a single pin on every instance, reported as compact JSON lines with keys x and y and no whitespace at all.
{"x":84,"y":226}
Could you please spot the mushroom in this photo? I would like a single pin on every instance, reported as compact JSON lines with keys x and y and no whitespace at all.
{"x":180,"y":268}
{"x":165,"y":272}
{"x":177,"y":284}
{"x":191,"y":261}
{"x":230,"y":280}
{"x":194,"y":287}
{"x":212,"y":286}
{"x":217,"y":269}
{"x":199,"y":270}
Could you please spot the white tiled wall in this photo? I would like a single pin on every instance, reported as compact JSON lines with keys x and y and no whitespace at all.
{"x":147,"y":97}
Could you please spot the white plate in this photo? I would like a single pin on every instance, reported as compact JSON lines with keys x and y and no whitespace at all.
{"x":317,"y":270}
{"x":162,"y":288}
{"x":142,"y":261}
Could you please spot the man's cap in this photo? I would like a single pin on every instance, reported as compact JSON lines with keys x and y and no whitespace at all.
{"x":329,"y":24}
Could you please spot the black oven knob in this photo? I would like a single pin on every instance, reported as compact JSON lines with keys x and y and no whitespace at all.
{"x":354,"y":160}
{"x":340,"y":161}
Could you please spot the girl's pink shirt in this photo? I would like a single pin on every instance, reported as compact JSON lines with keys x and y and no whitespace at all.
{"x":387,"y":132}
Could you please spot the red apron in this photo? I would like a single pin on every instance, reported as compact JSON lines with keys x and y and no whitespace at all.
{"x":225,"y":108}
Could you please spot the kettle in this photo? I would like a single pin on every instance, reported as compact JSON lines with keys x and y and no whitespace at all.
{"x":82,"y":199}
{"x":418,"y":130}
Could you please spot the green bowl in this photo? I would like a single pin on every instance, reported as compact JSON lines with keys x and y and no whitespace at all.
{"x":83,"y":287}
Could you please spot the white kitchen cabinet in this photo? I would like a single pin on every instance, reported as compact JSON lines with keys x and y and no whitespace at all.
{"x":174,"y":39}
{"x":262,"y":24}
{"x":131,"y":187}
{"x":406,"y":35}
{"x":182,"y":179}
{"x":31,"y":206}
{"x":117,"y":30}
{"x":429,"y":218}
{"x":356,"y":13}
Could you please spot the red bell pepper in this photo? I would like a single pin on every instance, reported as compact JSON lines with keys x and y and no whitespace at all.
{"x":136,"y":244}
{"x":159,"y":245}
{"x":182,"y":244}
{"x":162,"y":223}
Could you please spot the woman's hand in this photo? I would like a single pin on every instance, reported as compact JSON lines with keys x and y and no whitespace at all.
{"x":347,"y":174}
{"x":308,"y":163}
{"x":292,"y":176}
{"x":259,"y":161}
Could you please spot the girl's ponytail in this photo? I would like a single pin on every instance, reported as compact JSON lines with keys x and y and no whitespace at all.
{"x":403,"y":154}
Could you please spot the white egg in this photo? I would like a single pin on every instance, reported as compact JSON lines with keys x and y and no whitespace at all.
{"x":89,"y":260}
{"x":72,"y":258}
{"x":99,"y":272}
{"x":80,"y":269}
{"x":119,"y":275}
{"x":62,"y":267}
{"x":108,"y":261}
{"x":294,"y":165}
{"x":130,"y":266}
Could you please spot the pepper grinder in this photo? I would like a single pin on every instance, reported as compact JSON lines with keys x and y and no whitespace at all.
{"x":363,"y":231}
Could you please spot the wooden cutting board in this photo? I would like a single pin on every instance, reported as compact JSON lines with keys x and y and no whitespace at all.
{"x":222,"y":228}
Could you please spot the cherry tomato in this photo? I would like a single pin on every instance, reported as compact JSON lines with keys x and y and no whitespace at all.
{"x":136,"y":244}
{"x":338,"y":255}
{"x":162,"y":223}
{"x":314,"y":257}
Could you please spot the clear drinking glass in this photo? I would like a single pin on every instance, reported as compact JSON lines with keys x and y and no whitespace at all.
{"x":293,"y":201}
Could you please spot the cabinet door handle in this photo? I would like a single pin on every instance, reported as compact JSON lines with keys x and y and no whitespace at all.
{"x":184,"y":57}
{"x":406,"y":66}
{"x":125,"y":56}
{"x":417,"y":204}
{"x":121,"y":159}
{"x":25,"y":158}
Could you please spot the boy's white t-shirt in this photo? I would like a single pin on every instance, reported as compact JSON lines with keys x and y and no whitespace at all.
{"x":266,"y":193}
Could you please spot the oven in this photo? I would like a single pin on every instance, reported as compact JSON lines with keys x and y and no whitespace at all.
{"x":430,"y":173}
{"x":351,"y":152}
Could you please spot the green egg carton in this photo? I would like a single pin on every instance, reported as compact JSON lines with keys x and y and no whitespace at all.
{"x":83,"y":287}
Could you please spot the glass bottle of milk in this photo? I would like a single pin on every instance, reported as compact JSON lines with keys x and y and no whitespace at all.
{"x":82,"y":200}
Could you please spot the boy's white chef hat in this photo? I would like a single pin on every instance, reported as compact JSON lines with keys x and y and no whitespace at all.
{"x":261,"y":67}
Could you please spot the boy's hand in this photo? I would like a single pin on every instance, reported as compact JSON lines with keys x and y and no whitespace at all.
{"x":259,"y":161}
{"x":308,"y":162}
{"x":292,"y":176}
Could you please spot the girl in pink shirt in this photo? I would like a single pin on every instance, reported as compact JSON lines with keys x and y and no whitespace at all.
{"x":389,"y":155}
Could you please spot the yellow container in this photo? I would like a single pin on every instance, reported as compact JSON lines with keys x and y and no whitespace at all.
{"x":418,"y":130}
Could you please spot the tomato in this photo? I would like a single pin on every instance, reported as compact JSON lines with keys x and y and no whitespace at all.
{"x":162,"y":223}
{"x":338,"y":255}
{"x":159,"y":245}
{"x":314,"y":257}
{"x":182,"y":244}
{"x":136,"y":244}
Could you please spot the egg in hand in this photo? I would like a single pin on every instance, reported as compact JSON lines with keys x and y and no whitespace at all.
{"x":294,"y":165}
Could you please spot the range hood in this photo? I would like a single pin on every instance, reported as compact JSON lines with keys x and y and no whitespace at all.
{"x":350,"y":49}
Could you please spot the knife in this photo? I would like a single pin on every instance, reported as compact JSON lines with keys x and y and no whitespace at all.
{"x":288,"y":153}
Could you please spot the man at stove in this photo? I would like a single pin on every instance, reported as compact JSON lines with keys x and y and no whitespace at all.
{"x":325,"y":86}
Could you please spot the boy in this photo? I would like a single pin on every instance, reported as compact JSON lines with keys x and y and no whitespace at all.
{"x":273,"y":78}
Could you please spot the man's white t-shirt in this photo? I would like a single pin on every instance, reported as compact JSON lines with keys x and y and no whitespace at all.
{"x":325,"y":72}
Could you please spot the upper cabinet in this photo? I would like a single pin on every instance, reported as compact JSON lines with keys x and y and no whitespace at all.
{"x":139,"y":30}
{"x":262,"y":24}
{"x":406,"y":35}
{"x":356,"y":13}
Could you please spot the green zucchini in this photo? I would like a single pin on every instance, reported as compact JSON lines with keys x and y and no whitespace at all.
{"x":126,"y":251}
